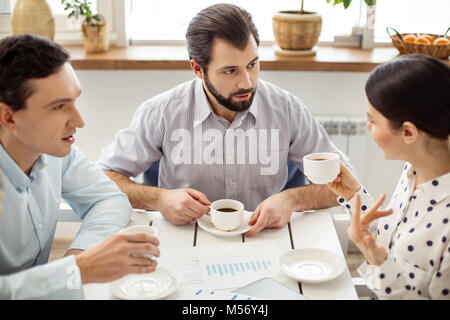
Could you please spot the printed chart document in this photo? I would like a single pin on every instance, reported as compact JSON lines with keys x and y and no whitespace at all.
{"x":225,"y":266}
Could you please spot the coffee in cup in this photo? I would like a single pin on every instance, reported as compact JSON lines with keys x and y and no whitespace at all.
{"x":227,"y":214}
{"x":227,"y":210}
{"x":321,"y":168}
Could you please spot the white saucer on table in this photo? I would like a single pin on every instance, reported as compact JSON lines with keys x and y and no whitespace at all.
{"x":205,"y":223}
{"x":311,"y":265}
{"x":150,"y":286}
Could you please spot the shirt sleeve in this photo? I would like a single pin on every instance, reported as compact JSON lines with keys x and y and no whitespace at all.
{"x":134,"y":149}
{"x":308,"y":135}
{"x":59,"y":279}
{"x":366,"y":202}
{"x":98,"y":201}
{"x":396,"y":279}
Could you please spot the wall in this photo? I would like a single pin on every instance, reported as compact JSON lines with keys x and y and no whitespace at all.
{"x":109,"y":99}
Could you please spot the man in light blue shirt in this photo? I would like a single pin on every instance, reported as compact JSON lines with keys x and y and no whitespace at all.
{"x":39,"y":166}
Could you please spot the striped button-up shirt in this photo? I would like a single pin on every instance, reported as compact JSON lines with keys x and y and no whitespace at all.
{"x":245,"y":160}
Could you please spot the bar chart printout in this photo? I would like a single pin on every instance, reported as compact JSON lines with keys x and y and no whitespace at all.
{"x":237,"y":268}
{"x":237,"y":265}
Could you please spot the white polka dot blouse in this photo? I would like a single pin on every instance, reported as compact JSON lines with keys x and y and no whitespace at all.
{"x":416,"y":237}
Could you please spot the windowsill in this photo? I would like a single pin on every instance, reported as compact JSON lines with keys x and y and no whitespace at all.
{"x":145,"y":57}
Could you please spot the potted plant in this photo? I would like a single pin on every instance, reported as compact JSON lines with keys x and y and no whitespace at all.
{"x":296,"y":32}
{"x":94,"y":29}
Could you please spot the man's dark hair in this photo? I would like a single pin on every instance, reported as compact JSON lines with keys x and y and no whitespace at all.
{"x":415,"y":88}
{"x":223,"y":21}
{"x":22,"y":58}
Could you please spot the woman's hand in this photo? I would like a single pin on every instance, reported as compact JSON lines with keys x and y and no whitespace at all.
{"x":345,"y":184}
{"x":360,"y":234}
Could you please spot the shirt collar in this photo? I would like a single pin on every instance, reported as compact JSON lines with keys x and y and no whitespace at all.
{"x":14,"y":174}
{"x":438,"y":189}
{"x":203,"y":108}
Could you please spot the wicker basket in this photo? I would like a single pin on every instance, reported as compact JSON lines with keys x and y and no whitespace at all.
{"x":441,"y":51}
{"x":294,"y":31}
{"x":95,"y":37}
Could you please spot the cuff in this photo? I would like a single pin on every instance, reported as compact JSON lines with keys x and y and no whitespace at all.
{"x":366,"y":201}
{"x":64,"y":279}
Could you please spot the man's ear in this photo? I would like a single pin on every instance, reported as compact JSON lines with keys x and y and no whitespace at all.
{"x":410,"y":133}
{"x":195,"y":66}
{"x":6,"y":117}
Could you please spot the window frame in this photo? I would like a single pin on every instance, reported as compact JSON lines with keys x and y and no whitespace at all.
{"x":118,"y":12}
{"x":360,"y":34}
{"x":64,"y":34}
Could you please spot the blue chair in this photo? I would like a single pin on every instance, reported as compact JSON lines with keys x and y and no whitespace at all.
{"x":295,"y":176}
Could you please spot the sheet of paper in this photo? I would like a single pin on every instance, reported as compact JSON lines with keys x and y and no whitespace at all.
{"x":224,"y":266}
{"x":205,"y":294}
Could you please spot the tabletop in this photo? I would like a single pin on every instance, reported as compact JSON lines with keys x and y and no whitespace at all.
{"x":305,"y":230}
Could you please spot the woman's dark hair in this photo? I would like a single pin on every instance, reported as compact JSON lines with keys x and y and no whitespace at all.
{"x":415,"y":88}
{"x":24,"y":57}
{"x":224,"y":21}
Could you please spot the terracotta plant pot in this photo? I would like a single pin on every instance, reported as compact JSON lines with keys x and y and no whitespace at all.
{"x":295,"y":31}
{"x":33,"y":16}
{"x":95,"y":37}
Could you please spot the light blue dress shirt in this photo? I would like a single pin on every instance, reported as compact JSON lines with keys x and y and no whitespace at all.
{"x":30,"y":212}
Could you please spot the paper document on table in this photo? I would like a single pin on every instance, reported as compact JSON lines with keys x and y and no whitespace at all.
{"x":205,"y":294}
{"x":225,"y":266}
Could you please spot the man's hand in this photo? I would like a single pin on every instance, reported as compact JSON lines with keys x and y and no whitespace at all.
{"x":274,"y":212}
{"x":181,"y":206}
{"x":113,"y":258}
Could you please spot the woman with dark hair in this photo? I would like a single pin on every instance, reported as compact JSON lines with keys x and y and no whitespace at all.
{"x":408,"y":257}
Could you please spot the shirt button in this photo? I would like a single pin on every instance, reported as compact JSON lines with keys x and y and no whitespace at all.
{"x":231,"y":182}
{"x":40,"y":225}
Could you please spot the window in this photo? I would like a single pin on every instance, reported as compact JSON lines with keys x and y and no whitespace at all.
{"x":56,"y":6}
{"x":168,"y":20}
{"x":411,"y":16}
{"x":66,"y":30}
{"x":144,"y":21}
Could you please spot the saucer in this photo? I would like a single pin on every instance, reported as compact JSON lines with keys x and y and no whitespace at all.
{"x":150,"y":286}
{"x":311,"y":265}
{"x":205,"y":223}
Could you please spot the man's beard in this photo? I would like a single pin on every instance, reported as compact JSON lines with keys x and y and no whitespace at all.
{"x":228,"y":102}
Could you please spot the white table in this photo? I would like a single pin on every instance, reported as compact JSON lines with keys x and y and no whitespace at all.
{"x":305,"y":230}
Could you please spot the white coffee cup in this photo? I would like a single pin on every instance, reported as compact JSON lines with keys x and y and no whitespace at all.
{"x":226,"y":220}
{"x":321,"y":168}
{"x":151,"y":231}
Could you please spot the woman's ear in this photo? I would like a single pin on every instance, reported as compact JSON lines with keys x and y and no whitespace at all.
{"x":410,"y":133}
{"x":195,"y":66}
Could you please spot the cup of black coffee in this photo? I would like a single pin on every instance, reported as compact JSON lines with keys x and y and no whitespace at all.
{"x":227,"y":214}
{"x":321,"y":168}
